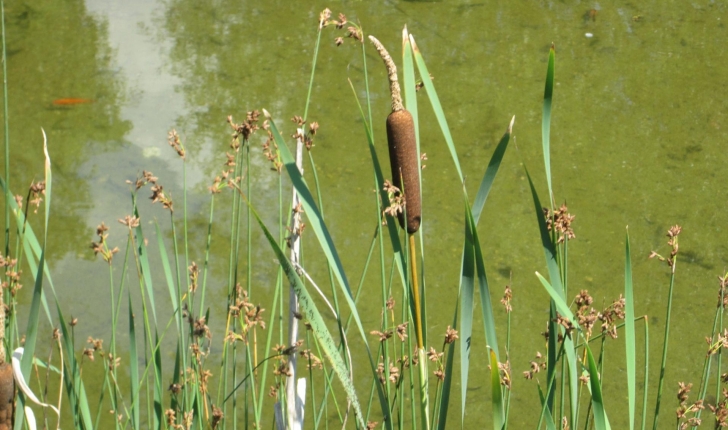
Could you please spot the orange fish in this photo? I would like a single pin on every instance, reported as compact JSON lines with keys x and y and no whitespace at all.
{"x":71,"y":101}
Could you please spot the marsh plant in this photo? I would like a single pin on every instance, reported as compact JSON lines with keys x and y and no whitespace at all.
{"x":284,"y":358}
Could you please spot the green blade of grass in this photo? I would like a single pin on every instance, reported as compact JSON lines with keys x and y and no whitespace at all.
{"x":490,"y":172}
{"x":174,"y":299}
{"x":33,"y":314}
{"x":561,"y":305}
{"x":436,"y":106}
{"x":546,"y":411}
{"x":447,"y":383}
{"x":555,"y":276}
{"x":646,"y":373}
{"x":629,"y":333}
{"x":144,"y":263}
{"x":410,"y":92}
{"x":600,"y":417}
{"x":75,"y":389}
{"x":467,"y":283}
{"x":133,"y":369}
{"x":467,"y":287}
{"x":467,"y":266}
{"x":546,"y":123}
{"x":499,"y":418}
{"x":308,"y":308}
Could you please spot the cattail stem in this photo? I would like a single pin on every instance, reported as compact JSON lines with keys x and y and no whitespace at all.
{"x":416,"y":291}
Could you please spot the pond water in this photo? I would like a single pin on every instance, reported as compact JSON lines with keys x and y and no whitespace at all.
{"x":638,"y":139}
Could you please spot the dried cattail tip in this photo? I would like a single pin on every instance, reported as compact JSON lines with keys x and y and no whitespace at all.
{"x":403,"y":155}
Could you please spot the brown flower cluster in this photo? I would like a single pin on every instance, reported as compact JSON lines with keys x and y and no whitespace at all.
{"x":307,"y":137}
{"x":721,"y":342}
{"x":396,"y":201}
{"x":36,"y":193}
{"x":586,"y":316}
{"x":270,"y":149}
{"x":611,"y":316}
{"x":720,"y":410}
{"x":101,"y":246}
{"x":566,"y":324}
{"x":244,"y":129}
{"x":157,"y":189}
{"x":159,"y":196}
{"x":507,"y":297}
{"x":450,"y":335}
{"x":504,"y":370}
{"x":683,"y":421}
{"x":537,"y":364}
{"x":252,"y":314}
{"x":226,"y":177}
{"x":12,"y":276}
{"x":174,"y":141}
{"x":96,"y":346}
{"x":723,"y":291}
{"x":383,"y":335}
{"x":394,"y":374}
{"x":143,"y":180}
{"x":561,"y":221}
{"x":194,"y":276}
{"x":672,"y":235}
{"x":353,"y":31}
{"x":313,"y":361}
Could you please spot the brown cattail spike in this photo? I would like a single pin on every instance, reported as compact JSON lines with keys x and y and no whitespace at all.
{"x":402,"y":148}
{"x":7,"y":396}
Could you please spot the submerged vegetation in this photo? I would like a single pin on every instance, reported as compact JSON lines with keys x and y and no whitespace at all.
{"x":300,"y":353}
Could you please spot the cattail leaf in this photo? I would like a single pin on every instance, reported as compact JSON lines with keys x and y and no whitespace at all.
{"x":25,"y":361}
{"x":133,"y":369}
{"x":18,"y":357}
{"x":595,"y":384}
{"x":490,"y":172}
{"x":561,"y":305}
{"x":436,"y":106}
{"x":166,"y":267}
{"x":546,"y":411}
{"x":75,"y":388}
{"x":499,"y":418}
{"x":410,"y":92}
{"x":485,"y":304}
{"x":629,"y":334}
{"x":29,"y":417}
{"x":546,"y":121}
{"x":447,"y":383}
{"x":142,"y":252}
{"x":466,"y":293}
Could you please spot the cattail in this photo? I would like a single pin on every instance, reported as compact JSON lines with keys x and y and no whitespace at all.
{"x":402,"y":148}
{"x":7,"y":395}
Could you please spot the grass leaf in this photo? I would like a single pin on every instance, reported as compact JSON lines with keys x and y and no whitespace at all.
{"x":629,"y":333}
{"x":499,"y":418}
{"x":546,"y":123}
{"x":600,"y":417}
{"x":436,"y":106}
